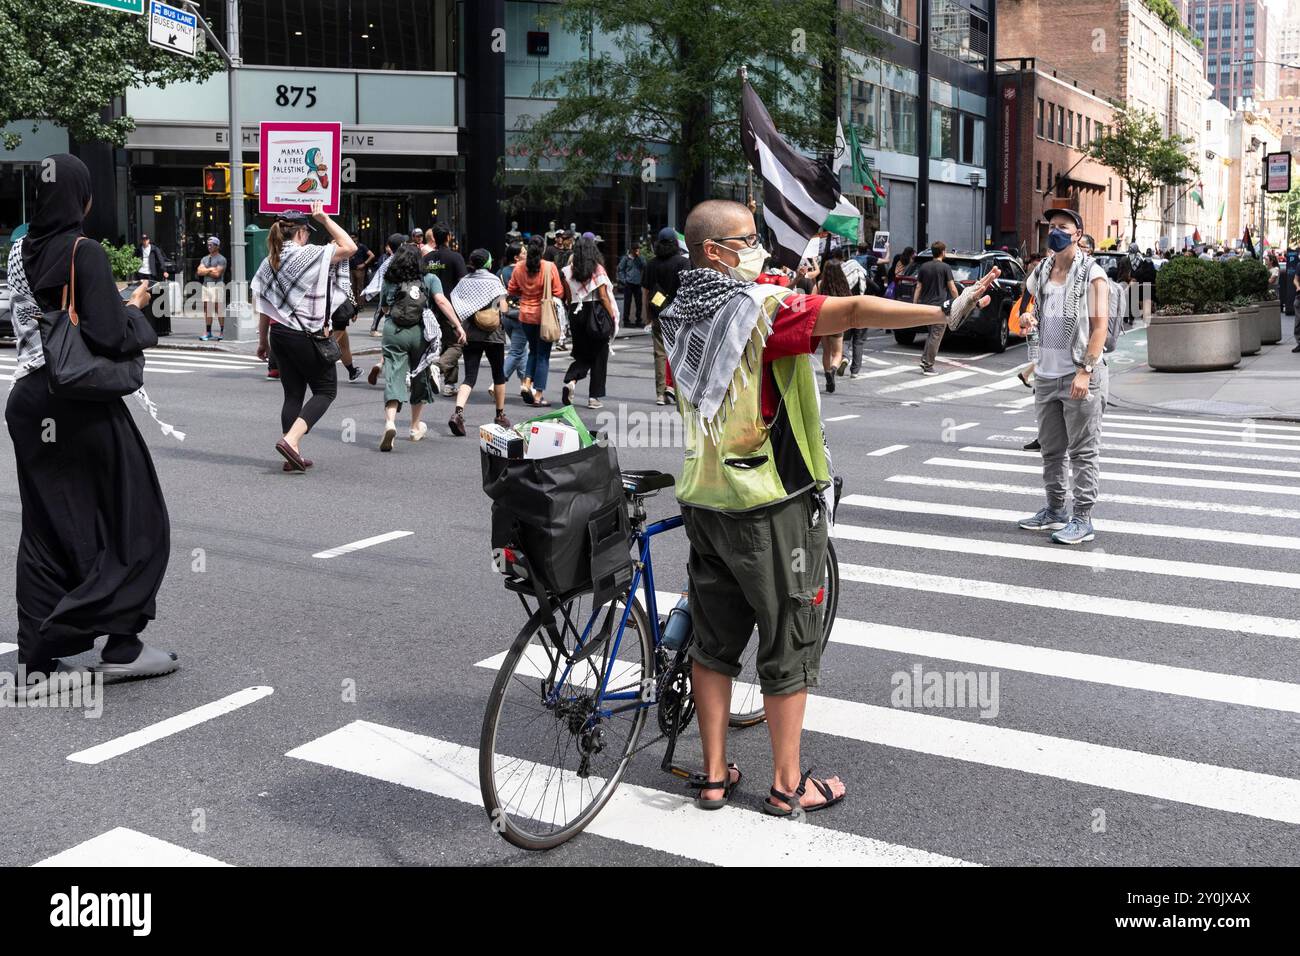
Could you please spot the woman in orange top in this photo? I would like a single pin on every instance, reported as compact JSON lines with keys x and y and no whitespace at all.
{"x":528,"y":283}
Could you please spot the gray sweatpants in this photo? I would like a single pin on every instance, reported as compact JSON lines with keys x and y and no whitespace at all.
{"x":1070,"y":432}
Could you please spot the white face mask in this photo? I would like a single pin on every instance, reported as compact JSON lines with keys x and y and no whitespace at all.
{"x":749,"y":264}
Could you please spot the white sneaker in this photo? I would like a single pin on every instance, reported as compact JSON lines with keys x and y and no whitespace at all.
{"x":418,"y":433}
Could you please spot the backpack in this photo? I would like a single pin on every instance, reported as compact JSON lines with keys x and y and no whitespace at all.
{"x":409,"y":304}
{"x":1115,"y":326}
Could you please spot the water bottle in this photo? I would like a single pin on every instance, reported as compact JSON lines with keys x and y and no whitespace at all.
{"x":678,"y":627}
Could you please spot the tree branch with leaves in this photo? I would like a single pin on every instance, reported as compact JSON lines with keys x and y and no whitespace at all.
{"x":67,"y":62}
{"x":660,"y":76}
{"x":1143,"y":157}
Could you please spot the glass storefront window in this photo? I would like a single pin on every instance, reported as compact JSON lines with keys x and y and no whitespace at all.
{"x":898,"y":123}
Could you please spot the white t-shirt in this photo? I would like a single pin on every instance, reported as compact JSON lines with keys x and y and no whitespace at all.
{"x":1056,"y":359}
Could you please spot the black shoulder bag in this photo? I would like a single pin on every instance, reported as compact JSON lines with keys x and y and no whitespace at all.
{"x":327,"y":350}
{"x":72,"y":369}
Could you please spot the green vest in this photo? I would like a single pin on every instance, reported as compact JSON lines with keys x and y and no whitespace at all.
{"x":754,"y":464}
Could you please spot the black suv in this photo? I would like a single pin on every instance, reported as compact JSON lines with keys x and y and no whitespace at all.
{"x":989,"y":323}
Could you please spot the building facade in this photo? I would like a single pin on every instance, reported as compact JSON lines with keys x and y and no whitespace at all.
{"x":1130,"y":56}
{"x":1236,"y":38}
{"x":1047,"y":122}
{"x":922,"y":105}
{"x":1251,"y":136}
{"x":1215,"y":177}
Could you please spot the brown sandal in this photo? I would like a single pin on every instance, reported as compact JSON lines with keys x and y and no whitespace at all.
{"x":291,"y":456}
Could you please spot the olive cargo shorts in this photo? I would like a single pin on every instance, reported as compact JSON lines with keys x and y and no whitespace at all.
{"x":761,"y":567}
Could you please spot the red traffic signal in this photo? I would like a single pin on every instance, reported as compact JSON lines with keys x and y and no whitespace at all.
{"x":216,"y":180}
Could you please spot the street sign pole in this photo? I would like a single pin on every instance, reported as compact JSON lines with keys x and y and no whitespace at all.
{"x":239,"y":302}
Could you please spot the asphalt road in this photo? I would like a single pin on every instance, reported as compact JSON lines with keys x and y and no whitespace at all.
{"x":1148,"y":685}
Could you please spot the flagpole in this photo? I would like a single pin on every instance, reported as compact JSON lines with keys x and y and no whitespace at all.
{"x":749,"y":170}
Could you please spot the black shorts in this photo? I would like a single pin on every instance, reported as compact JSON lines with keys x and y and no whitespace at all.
{"x":337,"y":324}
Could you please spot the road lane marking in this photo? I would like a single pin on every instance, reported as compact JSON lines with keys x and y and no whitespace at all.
{"x":1163,"y":450}
{"x":1143,"y":462}
{"x":640,"y":816}
{"x":1108,"y":497}
{"x":925,"y":381}
{"x":1001,"y":385}
{"x":842,"y":418}
{"x":123,"y":847}
{"x":1290,"y":491}
{"x":1072,"y":665}
{"x":887,"y":450}
{"x":1245,"y":423}
{"x":883,"y":372}
{"x":1067,"y":602}
{"x":172,"y":725}
{"x":1047,"y":553}
{"x":1228,"y":431}
{"x":6,"y":648}
{"x":975,"y":741}
{"x":363,"y":543}
{"x":1110,"y":525}
{"x":1111,"y":433}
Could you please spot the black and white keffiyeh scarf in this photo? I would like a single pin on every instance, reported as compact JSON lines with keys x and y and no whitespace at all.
{"x":714,"y":332}
{"x":1060,"y":335}
{"x":477,"y":290}
{"x":297,"y":288}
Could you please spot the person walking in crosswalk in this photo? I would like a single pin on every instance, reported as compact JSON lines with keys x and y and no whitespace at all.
{"x":935,"y":283}
{"x":753,"y":481}
{"x":1070,"y":380}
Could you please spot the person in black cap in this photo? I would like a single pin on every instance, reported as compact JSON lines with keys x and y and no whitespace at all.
{"x":212,"y":269}
{"x":1072,"y":302}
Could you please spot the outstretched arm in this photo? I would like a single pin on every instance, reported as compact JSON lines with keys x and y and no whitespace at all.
{"x":838,"y":314}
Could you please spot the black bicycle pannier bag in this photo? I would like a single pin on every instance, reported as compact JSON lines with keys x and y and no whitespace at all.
{"x":566,"y":514}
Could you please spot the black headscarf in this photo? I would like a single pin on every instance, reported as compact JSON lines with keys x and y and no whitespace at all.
{"x":61,"y":197}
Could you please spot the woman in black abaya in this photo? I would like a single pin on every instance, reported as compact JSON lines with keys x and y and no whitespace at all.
{"x":95,"y":533}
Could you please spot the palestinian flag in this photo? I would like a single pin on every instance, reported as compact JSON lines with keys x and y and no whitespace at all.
{"x":863,"y":174}
{"x":1196,"y":236}
{"x":1196,"y":194}
{"x":800,"y":196}
{"x":1223,"y":207}
{"x":1248,"y":242}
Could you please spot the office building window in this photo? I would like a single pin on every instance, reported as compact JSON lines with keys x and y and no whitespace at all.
{"x":1040,"y":116}
{"x":958,"y":33}
{"x":1069,"y":127}
{"x":1049,"y":177}
{"x":345,"y":34}
{"x":1038,"y":175}
{"x":1051,"y":121}
{"x":899,"y":17}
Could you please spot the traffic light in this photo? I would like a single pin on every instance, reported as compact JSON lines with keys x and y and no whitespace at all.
{"x":216,"y":180}
{"x":252,"y":179}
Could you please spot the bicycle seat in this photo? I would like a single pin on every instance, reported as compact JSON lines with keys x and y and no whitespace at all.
{"x":645,"y":482}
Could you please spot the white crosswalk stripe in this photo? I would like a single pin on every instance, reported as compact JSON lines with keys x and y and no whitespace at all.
{"x":1187,"y":652}
{"x":926,"y":381}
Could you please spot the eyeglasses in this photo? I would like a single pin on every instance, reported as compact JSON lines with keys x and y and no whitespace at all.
{"x":750,"y":240}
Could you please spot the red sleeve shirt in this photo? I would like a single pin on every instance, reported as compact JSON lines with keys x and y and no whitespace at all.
{"x":792,"y":334}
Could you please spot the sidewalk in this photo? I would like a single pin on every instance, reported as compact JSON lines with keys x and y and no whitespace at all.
{"x":1266,"y":385}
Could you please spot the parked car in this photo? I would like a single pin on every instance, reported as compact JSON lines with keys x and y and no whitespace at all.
{"x":989,"y":323}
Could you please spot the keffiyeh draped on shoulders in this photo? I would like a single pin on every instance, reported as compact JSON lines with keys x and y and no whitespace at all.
{"x":714,"y":332}
{"x":478,"y":290}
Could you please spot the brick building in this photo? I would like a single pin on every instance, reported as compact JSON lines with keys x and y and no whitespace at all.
{"x":1047,"y":122}
{"x":1124,"y":53}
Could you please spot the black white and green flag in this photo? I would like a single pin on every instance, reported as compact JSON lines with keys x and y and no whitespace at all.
{"x":800,"y":195}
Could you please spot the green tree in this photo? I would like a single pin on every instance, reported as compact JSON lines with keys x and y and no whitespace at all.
{"x":66,"y":62}
{"x":660,"y":76}
{"x":1286,"y":209}
{"x":1143,"y":157}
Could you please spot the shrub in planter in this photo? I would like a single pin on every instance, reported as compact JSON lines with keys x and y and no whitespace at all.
{"x":1246,"y":277}
{"x":122,"y":260}
{"x":1188,"y":281}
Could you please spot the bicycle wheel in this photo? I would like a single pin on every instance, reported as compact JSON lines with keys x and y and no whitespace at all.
{"x":549,"y":759}
{"x":746,"y":698}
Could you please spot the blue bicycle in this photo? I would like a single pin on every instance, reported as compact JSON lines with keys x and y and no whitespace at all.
{"x":574,"y":690}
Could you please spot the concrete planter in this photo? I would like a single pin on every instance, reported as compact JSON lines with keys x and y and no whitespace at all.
{"x":1248,"y":329}
{"x":1270,"y":322}
{"x":1194,"y":343}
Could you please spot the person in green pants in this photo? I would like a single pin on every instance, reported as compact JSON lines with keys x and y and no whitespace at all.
{"x":407,"y":292}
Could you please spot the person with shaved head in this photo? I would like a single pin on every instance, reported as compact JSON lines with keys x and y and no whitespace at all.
{"x":753,"y":483}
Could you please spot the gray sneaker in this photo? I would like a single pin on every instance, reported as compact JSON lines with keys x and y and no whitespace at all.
{"x":1077,"y":531}
{"x":1046,"y":520}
